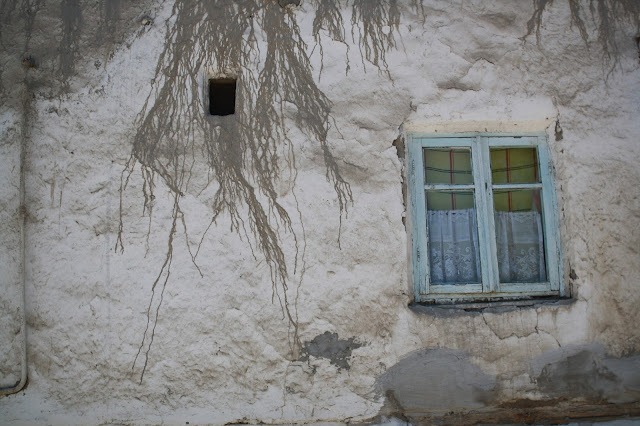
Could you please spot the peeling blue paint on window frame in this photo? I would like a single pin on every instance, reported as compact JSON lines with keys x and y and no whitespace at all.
{"x":490,"y":287}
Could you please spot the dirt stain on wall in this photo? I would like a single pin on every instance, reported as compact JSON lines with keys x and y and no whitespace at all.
{"x":71,"y":17}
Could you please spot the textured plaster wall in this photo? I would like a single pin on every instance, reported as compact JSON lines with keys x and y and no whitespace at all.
{"x":222,"y":349}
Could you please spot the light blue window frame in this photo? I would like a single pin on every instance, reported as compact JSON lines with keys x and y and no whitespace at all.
{"x":490,"y":287}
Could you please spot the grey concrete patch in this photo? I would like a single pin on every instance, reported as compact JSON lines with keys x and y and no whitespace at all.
{"x":437,"y":379}
{"x":329,"y":346}
{"x":628,"y":371}
{"x":578,"y":376}
{"x":586,"y":372}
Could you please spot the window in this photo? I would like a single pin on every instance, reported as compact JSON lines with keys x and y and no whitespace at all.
{"x":484,"y":218}
{"x":222,"y":96}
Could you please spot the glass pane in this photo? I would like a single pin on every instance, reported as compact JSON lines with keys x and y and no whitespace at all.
{"x":519,"y":236}
{"x":453,"y":238}
{"x":514,"y":165}
{"x":442,"y":165}
{"x":517,"y":201}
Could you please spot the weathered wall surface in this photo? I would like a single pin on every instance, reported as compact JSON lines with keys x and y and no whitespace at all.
{"x":294,"y":309}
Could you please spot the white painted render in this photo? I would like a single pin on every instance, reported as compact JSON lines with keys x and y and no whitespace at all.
{"x":223,"y":349}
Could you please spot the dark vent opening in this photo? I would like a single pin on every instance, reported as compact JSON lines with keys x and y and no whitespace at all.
{"x":222,"y":96}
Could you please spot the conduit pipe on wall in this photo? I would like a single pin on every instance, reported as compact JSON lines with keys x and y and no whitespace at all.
{"x":22,"y":218}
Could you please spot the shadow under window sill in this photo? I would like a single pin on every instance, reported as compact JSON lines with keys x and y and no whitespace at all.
{"x":477,"y":308}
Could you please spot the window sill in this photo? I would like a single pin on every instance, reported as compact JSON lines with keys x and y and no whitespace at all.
{"x":494,"y":306}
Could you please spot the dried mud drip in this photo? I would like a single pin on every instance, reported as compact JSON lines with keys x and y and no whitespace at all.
{"x":605,"y":15}
{"x":246,"y":154}
{"x":377,"y":22}
{"x":71,"y":17}
{"x":240,"y":159}
{"x":243,"y":153}
{"x":27,"y":11}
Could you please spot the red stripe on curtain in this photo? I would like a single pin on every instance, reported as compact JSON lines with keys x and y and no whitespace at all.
{"x":508,"y":159}
{"x":451,"y":178}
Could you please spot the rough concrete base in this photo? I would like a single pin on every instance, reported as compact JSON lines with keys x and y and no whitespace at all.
{"x":527,"y":412}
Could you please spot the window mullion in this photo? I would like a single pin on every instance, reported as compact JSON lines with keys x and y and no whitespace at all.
{"x":489,"y":214}
{"x":480,"y":165}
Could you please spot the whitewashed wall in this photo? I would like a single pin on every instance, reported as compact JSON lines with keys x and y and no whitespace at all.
{"x":223,"y":350}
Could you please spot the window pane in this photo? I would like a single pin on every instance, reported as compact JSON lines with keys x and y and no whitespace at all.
{"x":453,"y":238}
{"x":442,"y":165}
{"x":514,"y":165}
{"x":519,"y":236}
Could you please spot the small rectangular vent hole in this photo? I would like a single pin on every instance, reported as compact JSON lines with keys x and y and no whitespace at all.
{"x":222,"y":96}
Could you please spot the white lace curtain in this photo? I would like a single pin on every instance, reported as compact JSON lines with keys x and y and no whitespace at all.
{"x":453,"y":246}
{"x":454,"y":253}
{"x":520,"y":247}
